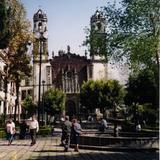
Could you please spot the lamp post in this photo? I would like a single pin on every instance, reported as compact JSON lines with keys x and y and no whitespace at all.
{"x":115,"y":120}
{"x":41,"y":38}
{"x":43,"y":83}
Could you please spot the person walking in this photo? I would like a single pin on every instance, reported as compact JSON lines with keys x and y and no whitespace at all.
{"x":33,"y":128}
{"x":66,"y":132}
{"x":62,"y":120}
{"x":76,"y":132}
{"x":23,"y":130}
{"x":10,"y":130}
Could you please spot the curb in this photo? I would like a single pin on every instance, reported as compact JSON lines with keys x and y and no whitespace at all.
{"x":115,"y":148}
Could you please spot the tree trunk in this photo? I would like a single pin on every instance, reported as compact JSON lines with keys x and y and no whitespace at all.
{"x":5,"y":91}
{"x":17,"y":99}
{"x":157,"y":75}
{"x":5,"y":97}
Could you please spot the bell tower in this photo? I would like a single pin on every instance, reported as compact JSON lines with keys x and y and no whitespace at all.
{"x":98,"y":51}
{"x":41,"y":64}
{"x":97,"y":34}
{"x":40,"y":31}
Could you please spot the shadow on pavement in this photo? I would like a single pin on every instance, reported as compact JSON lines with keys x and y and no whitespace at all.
{"x":50,"y":151}
{"x":89,"y":155}
{"x":14,"y":145}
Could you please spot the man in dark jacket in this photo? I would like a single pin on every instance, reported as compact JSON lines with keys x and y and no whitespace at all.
{"x":66,"y":131}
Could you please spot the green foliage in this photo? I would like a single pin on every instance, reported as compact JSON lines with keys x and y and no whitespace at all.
{"x":2,"y":134}
{"x":97,"y":43}
{"x":20,"y":27}
{"x":4,"y":26}
{"x":101,"y":94}
{"x":45,"y":131}
{"x":143,"y":113}
{"x":116,"y":92}
{"x":150,"y":115}
{"x":18,"y":59}
{"x":2,"y":123}
{"x":28,"y":106}
{"x":142,"y":88}
{"x":127,"y":126}
{"x":54,"y":101}
{"x":20,"y":66}
{"x":134,"y":31}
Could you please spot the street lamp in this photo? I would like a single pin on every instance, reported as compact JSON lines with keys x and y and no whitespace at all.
{"x":43,"y":83}
{"x":41,"y":39}
{"x":115,"y":119}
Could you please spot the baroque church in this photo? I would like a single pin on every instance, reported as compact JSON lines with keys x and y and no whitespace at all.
{"x":66,"y":71}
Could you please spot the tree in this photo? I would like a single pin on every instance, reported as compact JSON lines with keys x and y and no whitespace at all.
{"x":91,"y":95}
{"x":19,"y":69}
{"x":28,"y":106}
{"x":17,"y":60}
{"x":96,"y":43}
{"x":101,"y":94}
{"x":141,"y":88}
{"x":141,"y":91}
{"x":134,"y":32}
{"x":134,"y":35}
{"x":4,"y":25}
{"x":54,"y":101}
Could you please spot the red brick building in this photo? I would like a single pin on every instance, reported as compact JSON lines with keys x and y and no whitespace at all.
{"x":69,"y":71}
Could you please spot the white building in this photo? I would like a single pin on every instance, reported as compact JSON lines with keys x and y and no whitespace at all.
{"x":6,"y":96}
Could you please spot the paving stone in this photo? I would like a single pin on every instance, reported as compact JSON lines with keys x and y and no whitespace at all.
{"x":48,"y":148}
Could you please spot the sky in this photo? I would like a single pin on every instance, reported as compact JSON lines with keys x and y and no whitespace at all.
{"x":67,"y":20}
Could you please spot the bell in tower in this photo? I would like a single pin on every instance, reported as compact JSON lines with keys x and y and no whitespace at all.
{"x":97,"y":34}
{"x":40,"y":31}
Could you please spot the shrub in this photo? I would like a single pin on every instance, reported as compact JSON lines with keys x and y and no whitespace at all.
{"x":44,"y":131}
{"x":2,"y":134}
{"x":127,"y":126}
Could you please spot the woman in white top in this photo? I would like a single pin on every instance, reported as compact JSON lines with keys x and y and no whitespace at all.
{"x":10,"y":131}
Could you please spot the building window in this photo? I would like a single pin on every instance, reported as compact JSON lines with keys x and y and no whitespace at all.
{"x":12,"y":90}
{"x":27,"y":81}
{"x":23,"y":94}
{"x":48,"y":74}
{"x":1,"y":84}
{"x":70,"y":81}
{"x":30,"y":92}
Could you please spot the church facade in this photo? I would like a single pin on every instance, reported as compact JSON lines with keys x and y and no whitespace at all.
{"x":66,"y":71}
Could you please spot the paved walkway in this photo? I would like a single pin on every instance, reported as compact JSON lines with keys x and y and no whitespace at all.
{"x":49,"y":149}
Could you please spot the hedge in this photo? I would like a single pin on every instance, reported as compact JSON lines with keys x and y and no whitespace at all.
{"x":2,"y":134}
{"x":45,"y":131}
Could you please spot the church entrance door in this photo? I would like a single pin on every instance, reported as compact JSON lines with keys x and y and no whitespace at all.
{"x":70,"y":108}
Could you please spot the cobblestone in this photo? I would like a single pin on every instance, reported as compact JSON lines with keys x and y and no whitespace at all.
{"x":48,"y":149}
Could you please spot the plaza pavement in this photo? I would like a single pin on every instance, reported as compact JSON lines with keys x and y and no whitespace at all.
{"x":48,"y":148}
